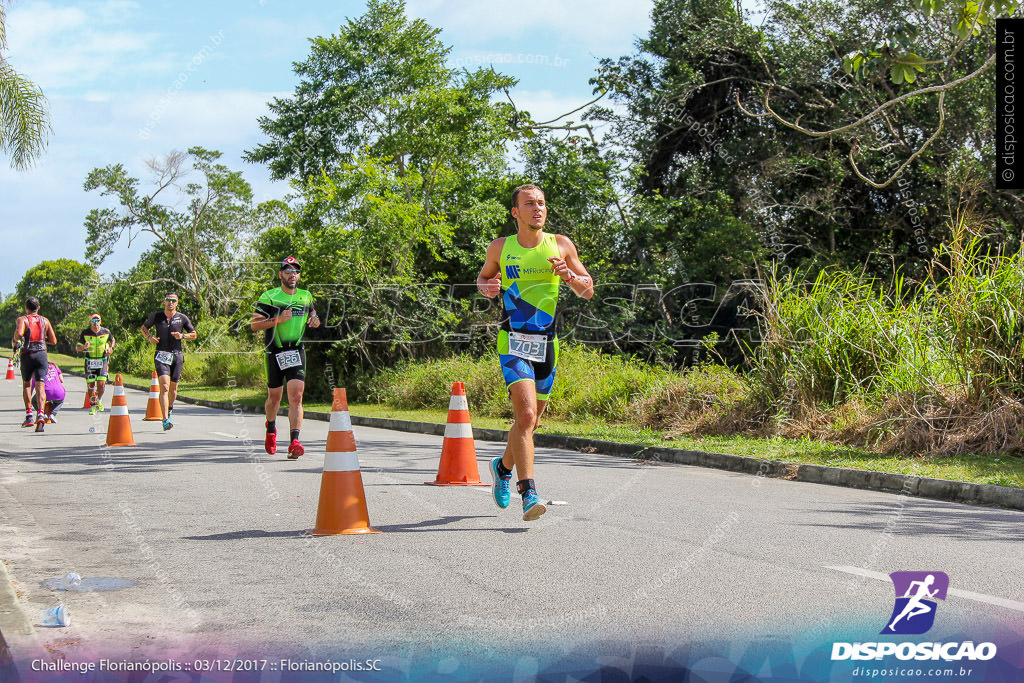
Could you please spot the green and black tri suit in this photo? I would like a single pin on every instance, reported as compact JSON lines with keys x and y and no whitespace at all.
{"x":95,"y":353}
{"x":285,"y":355}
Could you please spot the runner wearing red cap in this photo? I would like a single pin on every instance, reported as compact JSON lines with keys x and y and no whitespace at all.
{"x":282,"y":314}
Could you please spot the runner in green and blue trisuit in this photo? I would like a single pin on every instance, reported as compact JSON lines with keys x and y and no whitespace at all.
{"x":283,"y":314}
{"x":98,"y":343}
{"x":526,"y":269}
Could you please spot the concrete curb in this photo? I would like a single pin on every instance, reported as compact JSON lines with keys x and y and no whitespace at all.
{"x":923,"y":487}
{"x":18,"y":637}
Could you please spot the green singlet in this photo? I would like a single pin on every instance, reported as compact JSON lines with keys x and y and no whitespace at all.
{"x":95,"y":342}
{"x":529,"y":293}
{"x":95,"y":353}
{"x":529,"y":288}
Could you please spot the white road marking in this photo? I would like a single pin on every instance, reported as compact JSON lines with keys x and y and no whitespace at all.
{"x":969,"y":595}
{"x":230,"y":436}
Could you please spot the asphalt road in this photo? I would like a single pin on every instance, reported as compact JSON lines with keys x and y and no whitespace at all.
{"x":643,"y":560}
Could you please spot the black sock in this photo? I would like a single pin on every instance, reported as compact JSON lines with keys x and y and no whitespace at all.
{"x":502,"y":470}
{"x":271,"y":427}
{"x":524,"y":486}
{"x":295,"y":435}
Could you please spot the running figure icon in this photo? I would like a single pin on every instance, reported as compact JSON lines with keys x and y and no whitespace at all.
{"x":916,"y":606}
{"x":917,"y":594}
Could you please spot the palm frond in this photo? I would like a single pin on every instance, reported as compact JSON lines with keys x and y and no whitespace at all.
{"x":24,"y":117}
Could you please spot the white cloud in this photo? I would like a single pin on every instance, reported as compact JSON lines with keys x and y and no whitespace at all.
{"x":604,"y":26}
{"x":43,"y":209}
{"x":61,"y":47}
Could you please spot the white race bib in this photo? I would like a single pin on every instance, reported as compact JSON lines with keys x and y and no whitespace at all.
{"x":528,"y":346}
{"x":288,"y":359}
{"x":94,"y":363}
{"x":164,"y":357}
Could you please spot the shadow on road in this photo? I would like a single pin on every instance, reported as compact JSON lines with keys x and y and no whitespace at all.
{"x":920,"y":516}
{"x":440,"y":525}
{"x":249,"y":533}
{"x":95,"y":459}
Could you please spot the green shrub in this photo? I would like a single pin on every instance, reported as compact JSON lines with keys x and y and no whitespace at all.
{"x":244,"y":367}
{"x":587,"y":384}
{"x":846,"y":337}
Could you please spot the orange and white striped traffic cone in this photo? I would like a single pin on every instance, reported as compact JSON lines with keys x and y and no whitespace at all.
{"x":119,"y":427}
{"x":342,"y":508}
{"x":458,"y":452}
{"x":153,"y":411}
{"x":10,"y":368}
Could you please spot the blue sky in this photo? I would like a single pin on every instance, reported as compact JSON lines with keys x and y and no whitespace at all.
{"x":109,"y":67}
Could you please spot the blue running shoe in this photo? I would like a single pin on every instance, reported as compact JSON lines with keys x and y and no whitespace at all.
{"x":501,"y":487}
{"x":532,"y":507}
{"x":167,"y":424}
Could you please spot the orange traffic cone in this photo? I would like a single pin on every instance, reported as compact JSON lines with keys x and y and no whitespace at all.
{"x":458,"y":454}
{"x":10,"y":368}
{"x":88,"y":397}
{"x":153,"y":411}
{"x":342,"y":508}
{"x":119,"y":427}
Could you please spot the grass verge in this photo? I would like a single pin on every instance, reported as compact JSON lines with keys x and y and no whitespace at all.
{"x":1002,"y":471}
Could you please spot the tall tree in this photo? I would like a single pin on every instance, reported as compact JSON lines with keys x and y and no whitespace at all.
{"x":907,"y":59}
{"x":400,"y":163}
{"x":24,"y":113}
{"x":694,"y":81}
{"x":62,"y":287}
{"x":378,"y":89}
{"x":196,"y":242}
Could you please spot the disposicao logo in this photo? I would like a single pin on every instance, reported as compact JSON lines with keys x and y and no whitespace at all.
{"x":913,"y":613}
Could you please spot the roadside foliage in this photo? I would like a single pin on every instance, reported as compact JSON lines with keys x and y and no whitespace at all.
{"x":791,"y":219}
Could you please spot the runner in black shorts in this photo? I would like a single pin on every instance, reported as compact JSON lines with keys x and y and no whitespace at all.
{"x":277,"y":378}
{"x":98,"y":343}
{"x":34,"y":332}
{"x":283,"y":313}
{"x":171,"y":328}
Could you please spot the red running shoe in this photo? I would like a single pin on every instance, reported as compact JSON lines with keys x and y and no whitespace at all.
{"x":295,"y":449}
{"x":270,"y":443}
